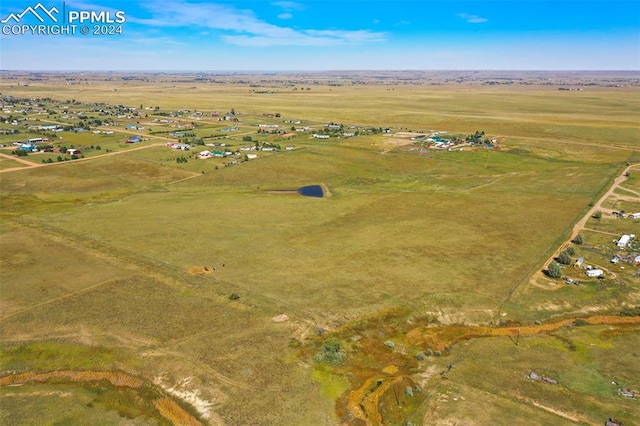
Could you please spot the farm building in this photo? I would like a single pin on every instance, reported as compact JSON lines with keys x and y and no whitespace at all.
{"x":28,"y":147}
{"x":72,"y":151}
{"x":34,"y":141}
{"x":181,"y":146}
{"x":624,"y":240}
{"x":592,"y":273}
{"x":634,"y":216}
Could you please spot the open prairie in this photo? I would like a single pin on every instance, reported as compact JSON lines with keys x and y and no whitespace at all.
{"x":219,"y":287}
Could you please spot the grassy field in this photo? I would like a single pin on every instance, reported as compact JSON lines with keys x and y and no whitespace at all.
{"x":101,"y":254}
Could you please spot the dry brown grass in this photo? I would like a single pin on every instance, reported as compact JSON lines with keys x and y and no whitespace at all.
{"x":174,"y":413}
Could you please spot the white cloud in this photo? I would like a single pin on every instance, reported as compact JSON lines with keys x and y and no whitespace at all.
{"x":289,"y":5}
{"x":471,"y":19}
{"x":246,"y":29}
{"x":285,"y":16}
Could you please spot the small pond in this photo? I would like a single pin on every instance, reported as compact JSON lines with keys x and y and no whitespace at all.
{"x":312,"y":191}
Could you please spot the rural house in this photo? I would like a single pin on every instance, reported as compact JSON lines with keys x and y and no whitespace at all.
{"x":624,"y":240}
{"x":593,"y":273}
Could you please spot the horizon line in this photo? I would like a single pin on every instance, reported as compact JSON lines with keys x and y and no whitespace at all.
{"x":246,"y":71}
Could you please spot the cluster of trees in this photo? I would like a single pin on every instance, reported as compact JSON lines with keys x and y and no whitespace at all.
{"x":60,"y":159}
{"x":267,"y":145}
{"x":181,"y":160}
{"x":564,"y":258}
{"x":477,"y":137}
{"x":192,"y":141}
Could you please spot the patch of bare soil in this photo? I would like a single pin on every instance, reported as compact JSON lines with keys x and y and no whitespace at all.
{"x":280,"y":318}
{"x":174,"y":413}
{"x":200,"y":270}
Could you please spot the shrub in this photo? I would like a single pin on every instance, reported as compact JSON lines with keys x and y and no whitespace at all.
{"x":390,"y":344}
{"x":438,"y":353}
{"x":420,"y":356}
{"x":428,"y":352}
{"x":631,"y":312}
{"x":331,"y":352}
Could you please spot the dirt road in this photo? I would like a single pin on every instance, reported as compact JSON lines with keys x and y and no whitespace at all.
{"x":31,"y":165}
{"x":579,"y":226}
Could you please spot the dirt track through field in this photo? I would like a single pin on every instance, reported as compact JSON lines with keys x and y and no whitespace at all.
{"x":31,"y":165}
{"x":577,"y":228}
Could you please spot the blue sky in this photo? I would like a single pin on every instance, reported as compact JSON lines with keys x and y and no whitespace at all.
{"x":336,"y":35}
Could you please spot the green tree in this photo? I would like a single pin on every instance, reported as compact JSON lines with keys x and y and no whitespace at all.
{"x":579,"y":239}
{"x":597,"y":215}
{"x":554,"y":270}
{"x":564,"y":258}
{"x":570,"y":250}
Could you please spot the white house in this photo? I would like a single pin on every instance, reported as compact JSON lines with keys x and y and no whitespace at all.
{"x":623,"y":241}
{"x":595,"y":273}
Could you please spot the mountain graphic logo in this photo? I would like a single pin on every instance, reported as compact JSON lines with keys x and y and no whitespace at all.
{"x":43,"y":11}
